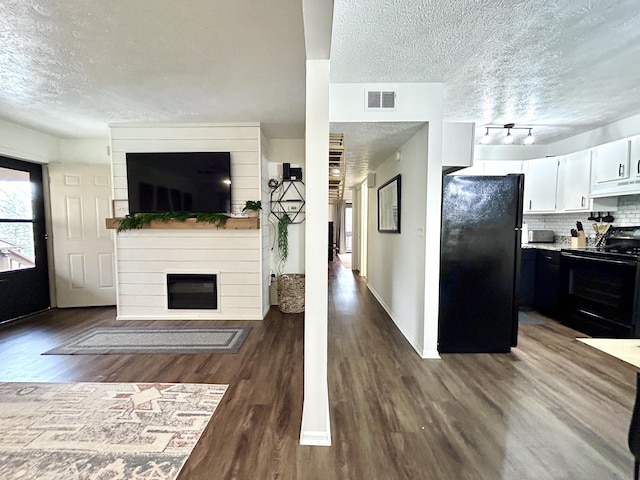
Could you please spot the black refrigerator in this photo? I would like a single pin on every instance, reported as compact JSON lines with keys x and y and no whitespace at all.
{"x":479,"y":263}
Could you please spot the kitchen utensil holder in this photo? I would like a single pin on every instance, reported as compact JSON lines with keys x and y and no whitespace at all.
{"x":580,"y":241}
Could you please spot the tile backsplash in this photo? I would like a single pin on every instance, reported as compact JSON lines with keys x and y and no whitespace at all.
{"x":628,"y":214}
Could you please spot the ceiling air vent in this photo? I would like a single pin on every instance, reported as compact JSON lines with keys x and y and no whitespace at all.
{"x":377,"y":99}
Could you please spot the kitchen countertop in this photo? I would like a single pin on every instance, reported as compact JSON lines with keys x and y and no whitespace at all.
{"x":625,"y":349}
{"x":546,"y":246}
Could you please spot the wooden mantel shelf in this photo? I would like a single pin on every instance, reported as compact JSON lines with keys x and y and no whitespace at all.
{"x":190,"y":223}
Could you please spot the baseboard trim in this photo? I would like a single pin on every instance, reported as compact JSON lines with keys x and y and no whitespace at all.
{"x":188,"y":319}
{"x":317,"y":438}
{"x":418,"y":348}
{"x":431,"y":354}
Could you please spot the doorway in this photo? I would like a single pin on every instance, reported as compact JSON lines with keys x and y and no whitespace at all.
{"x":24,"y":277}
{"x":348,"y":227}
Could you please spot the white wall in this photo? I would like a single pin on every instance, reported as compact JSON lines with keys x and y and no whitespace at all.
{"x":85,"y":151}
{"x":24,"y":143}
{"x":415,"y":102}
{"x":287,"y":151}
{"x":144,"y":257}
{"x":396,"y":262}
{"x":416,"y":313}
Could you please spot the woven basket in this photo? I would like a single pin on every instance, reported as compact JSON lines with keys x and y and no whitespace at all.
{"x":291,"y":293}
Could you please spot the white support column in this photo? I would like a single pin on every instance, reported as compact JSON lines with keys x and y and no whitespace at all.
{"x":316,"y":429}
{"x":432,"y":239}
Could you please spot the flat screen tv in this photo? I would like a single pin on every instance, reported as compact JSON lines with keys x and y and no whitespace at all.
{"x":192,"y":182}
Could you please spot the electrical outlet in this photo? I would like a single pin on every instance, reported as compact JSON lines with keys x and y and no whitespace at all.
{"x":293,"y":208}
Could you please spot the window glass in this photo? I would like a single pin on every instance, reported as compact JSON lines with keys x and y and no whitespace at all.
{"x":16,"y":237}
{"x":15,"y":195}
{"x":16,"y":246}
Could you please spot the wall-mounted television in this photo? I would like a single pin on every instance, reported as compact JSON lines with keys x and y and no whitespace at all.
{"x":192,"y":182}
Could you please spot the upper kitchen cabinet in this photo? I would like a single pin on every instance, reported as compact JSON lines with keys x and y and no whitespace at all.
{"x":540,"y":185}
{"x":634,"y":166}
{"x":616,"y":168}
{"x":457,"y":145}
{"x":574,"y":185}
{"x":610,"y":162}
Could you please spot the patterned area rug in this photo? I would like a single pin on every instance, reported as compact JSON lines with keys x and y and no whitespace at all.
{"x":123,"y":340}
{"x":100,"y":431}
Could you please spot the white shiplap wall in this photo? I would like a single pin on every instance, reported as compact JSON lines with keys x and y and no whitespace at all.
{"x":144,"y":257}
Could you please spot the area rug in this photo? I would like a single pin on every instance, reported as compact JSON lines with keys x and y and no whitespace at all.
{"x":87,"y":431}
{"x":115,"y":340}
{"x":526,"y":319}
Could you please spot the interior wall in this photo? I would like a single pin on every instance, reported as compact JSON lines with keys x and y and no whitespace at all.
{"x":94,"y":151}
{"x":286,"y":151}
{"x":27,"y":144}
{"x":396,"y":272}
{"x":144,"y":257}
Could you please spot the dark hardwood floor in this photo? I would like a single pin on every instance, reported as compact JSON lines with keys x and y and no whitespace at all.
{"x":552,"y":409}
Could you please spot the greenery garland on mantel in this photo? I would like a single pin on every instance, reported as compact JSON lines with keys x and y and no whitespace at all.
{"x":142,"y":220}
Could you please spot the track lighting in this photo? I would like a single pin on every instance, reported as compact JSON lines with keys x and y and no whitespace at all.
{"x":485,"y":138}
{"x":508,"y":139}
{"x":529,"y":140}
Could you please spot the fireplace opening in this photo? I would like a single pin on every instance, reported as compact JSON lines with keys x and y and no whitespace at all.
{"x":192,"y":291}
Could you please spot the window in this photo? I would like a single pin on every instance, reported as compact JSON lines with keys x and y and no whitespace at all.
{"x":17,"y":250}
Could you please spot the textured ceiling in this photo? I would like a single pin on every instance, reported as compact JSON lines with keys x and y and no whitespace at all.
{"x":367,"y":145}
{"x":564,"y":66}
{"x":69,"y":67}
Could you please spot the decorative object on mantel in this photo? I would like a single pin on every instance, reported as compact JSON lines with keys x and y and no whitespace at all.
{"x":142,"y":220}
{"x":252,"y":207}
{"x":232,"y":223}
{"x":120,"y":208}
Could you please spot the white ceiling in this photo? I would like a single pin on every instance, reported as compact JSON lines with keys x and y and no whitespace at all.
{"x":70,"y":67}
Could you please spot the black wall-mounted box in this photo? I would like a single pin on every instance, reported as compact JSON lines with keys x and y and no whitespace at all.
{"x":295,"y":174}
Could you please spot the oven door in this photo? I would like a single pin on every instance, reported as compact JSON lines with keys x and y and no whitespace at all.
{"x":600,"y":294}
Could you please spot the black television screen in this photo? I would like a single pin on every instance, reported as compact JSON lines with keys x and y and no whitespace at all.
{"x":193,"y":182}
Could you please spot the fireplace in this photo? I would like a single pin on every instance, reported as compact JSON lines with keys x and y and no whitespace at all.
{"x":189,"y":291}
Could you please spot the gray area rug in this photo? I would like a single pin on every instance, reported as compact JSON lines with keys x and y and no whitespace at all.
{"x":101,"y":431}
{"x":525,"y":319}
{"x":124,"y":340}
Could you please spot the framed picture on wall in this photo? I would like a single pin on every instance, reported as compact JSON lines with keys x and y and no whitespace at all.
{"x":389,"y":206}
{"x":120,"y":208}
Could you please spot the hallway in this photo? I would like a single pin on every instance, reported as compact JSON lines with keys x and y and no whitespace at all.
{"x":552,"y":409}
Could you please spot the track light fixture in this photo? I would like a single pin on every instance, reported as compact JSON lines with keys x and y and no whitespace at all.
{"x":508,"y":139}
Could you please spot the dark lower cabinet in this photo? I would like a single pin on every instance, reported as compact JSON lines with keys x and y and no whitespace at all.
{"x":527,"y":281}
{"x":548,"y":282}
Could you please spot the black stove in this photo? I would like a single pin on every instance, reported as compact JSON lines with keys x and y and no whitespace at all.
{"x":601,"y":285}
{"x":619,"y":243}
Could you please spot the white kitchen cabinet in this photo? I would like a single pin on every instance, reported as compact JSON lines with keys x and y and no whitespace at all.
{"x":574,"y":185}
{"x":634,"y":164}
{"x":540,"y":185}
{"x":610,"y":162}
{"x":457,"y":144}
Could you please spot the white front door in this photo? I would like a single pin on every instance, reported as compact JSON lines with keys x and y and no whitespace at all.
{"x":82,"y":246}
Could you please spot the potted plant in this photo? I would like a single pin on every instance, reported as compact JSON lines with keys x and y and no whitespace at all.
{"x":252,"y":207}
{"x":290,"y":285}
